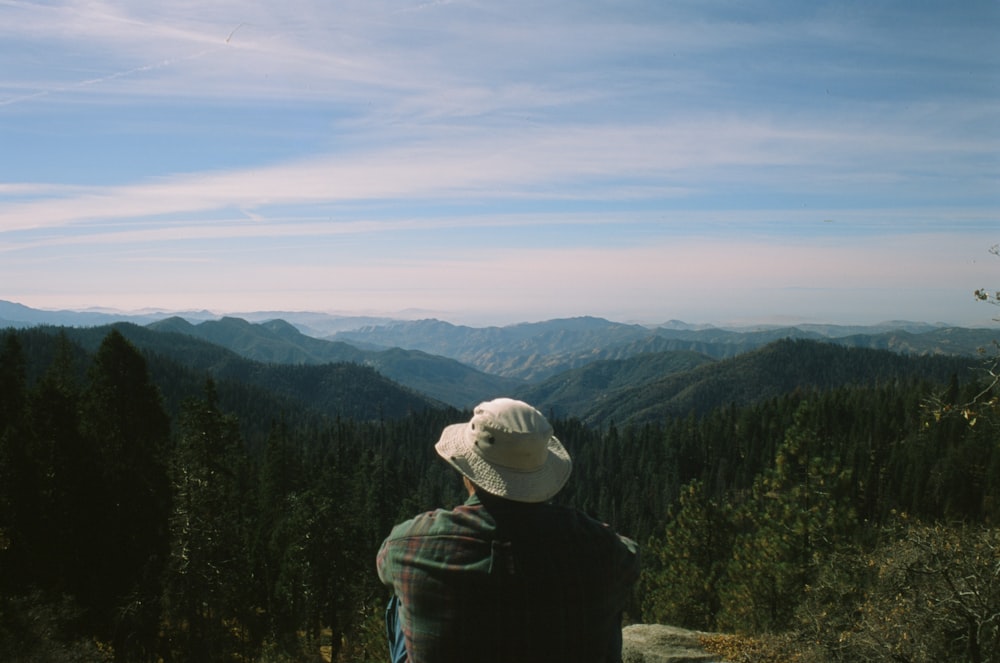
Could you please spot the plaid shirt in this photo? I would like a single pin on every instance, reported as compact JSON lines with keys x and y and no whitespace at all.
{"x":511,"y":582}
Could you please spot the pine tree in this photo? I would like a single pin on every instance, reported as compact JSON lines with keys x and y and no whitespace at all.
{"x":682,"y":571}
{"x":68,"y":478}
{"x":126,"y":433}
{"x":279,"y":481}
{"x":18,"y":493}
{"x":798,"y":512}
{"x":207,"y":596}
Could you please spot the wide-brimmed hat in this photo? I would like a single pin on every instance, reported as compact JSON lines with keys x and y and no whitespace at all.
{"x":508,"y":450}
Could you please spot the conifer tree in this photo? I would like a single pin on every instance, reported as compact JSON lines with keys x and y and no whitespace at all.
{"x":798,"y":511}
{"x":16,"y":489}
{"x":680,"y":581}
{"x":126,"y":433}
{"x":278,"y":539}
{"x":207,"y":590}
{"x":68,"y":478}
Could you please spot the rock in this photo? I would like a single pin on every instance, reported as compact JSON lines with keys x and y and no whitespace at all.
{"x":656,"y":643}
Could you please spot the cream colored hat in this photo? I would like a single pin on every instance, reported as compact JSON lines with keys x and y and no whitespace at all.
{"x":508,"y":450}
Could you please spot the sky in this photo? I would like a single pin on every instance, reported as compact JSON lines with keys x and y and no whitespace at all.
{"x":495,"y":162}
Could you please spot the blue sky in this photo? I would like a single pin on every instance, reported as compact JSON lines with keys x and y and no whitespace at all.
{"x":496,"y":162}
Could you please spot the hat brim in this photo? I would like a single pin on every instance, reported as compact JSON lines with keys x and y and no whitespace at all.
{"x":539,"y":485}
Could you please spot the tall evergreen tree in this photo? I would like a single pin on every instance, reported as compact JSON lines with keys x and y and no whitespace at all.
{"x":278,"y":481}
{"x":126,"y":433}
{"x":798,"y":511}
{"x":18,"y":494}
{"x":207,"y":593}
{"x":68,"y":478}
{"x":683,"y":568}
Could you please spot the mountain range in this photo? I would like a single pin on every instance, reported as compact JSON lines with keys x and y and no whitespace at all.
{"x":278,"y":342}
{"x":589,"y":368}
{"x":17,"y":315}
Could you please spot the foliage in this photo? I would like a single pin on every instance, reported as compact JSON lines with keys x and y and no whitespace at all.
{"x":683,"y":569}
{"x":222,"y":521}
{"x":769,"y":372}
{"x":924,"y":593}
{"x":798,"y":512}
{"x":125,"y":433}
{"x":984,"y":294}
{"x":574,"y":392}
{"x":181,"y":363}
{"x":206,"y":593}
{"x":765,"y":648}
{"x":34,"y":629}
{"x":984,"y":404}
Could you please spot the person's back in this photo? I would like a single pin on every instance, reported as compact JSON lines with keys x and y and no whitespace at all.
{"x":512,"y":582}
{"x":505,"y":580}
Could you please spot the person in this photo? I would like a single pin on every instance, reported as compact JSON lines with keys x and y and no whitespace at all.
{"x":506,"y":577}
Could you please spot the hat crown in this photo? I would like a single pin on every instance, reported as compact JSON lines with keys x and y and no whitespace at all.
{"x":508,"y":450}
{"x":511,"y":434}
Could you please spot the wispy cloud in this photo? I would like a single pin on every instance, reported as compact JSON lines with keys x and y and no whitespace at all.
{"x":659,"y":144}
{"x":613,"y":162}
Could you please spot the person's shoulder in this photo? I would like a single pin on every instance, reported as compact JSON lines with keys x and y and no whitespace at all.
{"x":419,"y":522}
{"x":589,"y":526}
{"x":437,"y":521}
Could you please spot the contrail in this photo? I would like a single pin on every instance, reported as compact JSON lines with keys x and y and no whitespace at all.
{"x":234,"y":32}
{"x":110,"y":77}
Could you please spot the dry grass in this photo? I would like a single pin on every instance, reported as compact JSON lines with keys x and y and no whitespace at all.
{"x":758,"y":649}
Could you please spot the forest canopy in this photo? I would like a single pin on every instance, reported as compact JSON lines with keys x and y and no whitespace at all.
{"x":153,"y":511}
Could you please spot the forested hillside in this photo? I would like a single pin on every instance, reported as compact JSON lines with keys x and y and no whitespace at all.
{"x":776,"y":369}
{"x":578,"y":392}
{"x":218,"y":509}
{"x":276,"y":341}
{"x":180,"y":363}
{"x":538,"y":351}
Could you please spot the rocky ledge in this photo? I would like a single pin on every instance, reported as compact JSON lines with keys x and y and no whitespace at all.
{"x":656,"y":643}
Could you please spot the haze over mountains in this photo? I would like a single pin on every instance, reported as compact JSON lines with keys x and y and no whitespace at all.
{"x":320,"y":324}
{"x":13,"y":314}
{"x":589,"y":368}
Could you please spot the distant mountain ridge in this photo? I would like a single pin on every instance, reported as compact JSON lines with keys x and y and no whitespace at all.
{"x":537,"y":351}
{"x":19,"y":316}
{"x":183,"y":361}
{"x":669,"y":388}
{"x":636,"y":386}
{"x":576,"y":392}
{"x":587,"y":367}
{"x":276,"y":341}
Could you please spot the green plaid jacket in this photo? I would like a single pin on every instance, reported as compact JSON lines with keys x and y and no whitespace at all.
{"x":494,"y":580}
